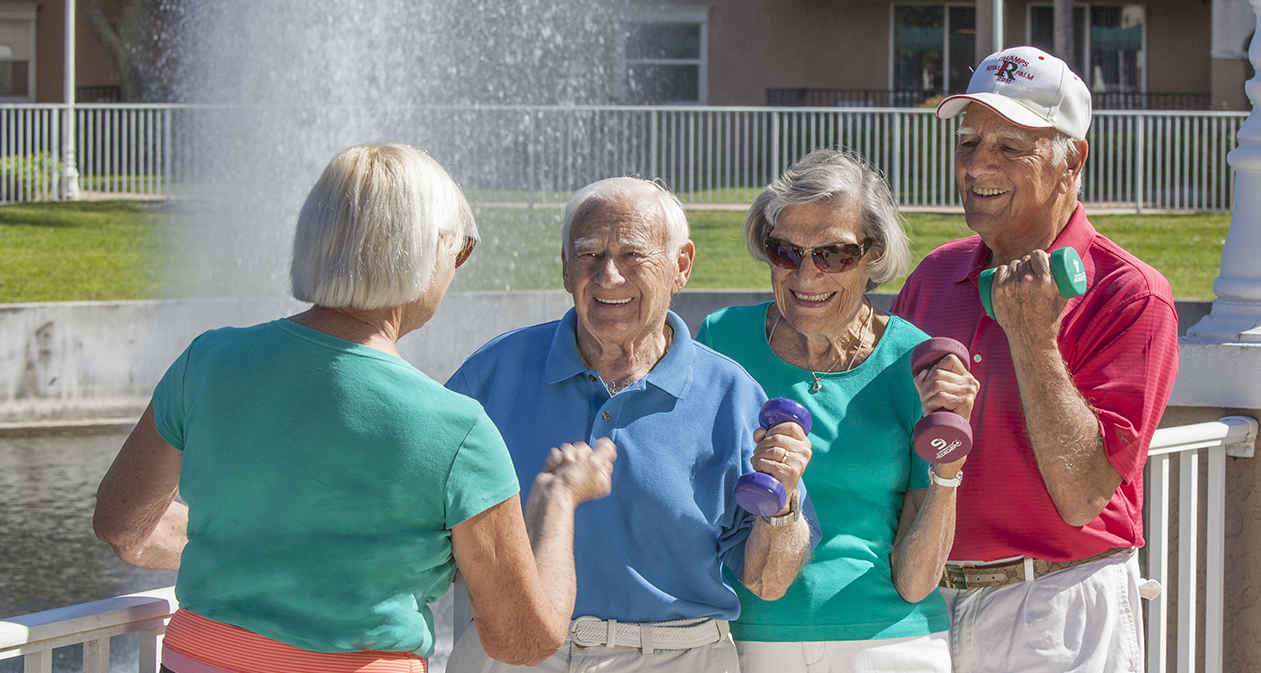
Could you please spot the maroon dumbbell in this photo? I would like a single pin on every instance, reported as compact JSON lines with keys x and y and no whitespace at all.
{"x":940,"y":436}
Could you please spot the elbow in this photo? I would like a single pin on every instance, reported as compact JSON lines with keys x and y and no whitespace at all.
{"x":913,"y":594}
{"x":1078,"y":514}
{"x":768,"y":592}
{"x":526,"y":649}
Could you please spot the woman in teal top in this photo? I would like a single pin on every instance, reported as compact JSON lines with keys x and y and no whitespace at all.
{"x":331,"y":487}
{"x":867,"y":601}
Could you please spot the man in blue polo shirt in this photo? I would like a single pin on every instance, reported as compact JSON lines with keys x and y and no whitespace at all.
{"x":649,"y":557}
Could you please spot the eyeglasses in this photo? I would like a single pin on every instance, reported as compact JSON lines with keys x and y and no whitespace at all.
{"x":829,"y":258}
{"x":465,"y":251}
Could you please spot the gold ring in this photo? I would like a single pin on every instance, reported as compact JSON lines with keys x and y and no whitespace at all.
{"x":784,"y":458}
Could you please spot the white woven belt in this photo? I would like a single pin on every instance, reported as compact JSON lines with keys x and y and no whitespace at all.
{"x":680,"y":634}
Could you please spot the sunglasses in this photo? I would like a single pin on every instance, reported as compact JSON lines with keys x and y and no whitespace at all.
{"x":465,"y":251}
{"x":829,"y":258}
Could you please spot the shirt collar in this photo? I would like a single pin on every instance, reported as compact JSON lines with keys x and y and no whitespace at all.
{"x":1078,"y":235}
{"x":673,"y":374}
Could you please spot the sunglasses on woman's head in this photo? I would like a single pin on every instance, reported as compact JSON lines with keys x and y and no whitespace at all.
{"x":465,"y":251}
{"x":829,"y":258}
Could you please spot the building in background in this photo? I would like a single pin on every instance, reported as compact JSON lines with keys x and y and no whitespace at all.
{"x":1158,"y":54}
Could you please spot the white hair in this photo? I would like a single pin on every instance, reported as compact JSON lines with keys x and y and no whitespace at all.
{"x":611,"y":190}
{"x":370,"y":232}
{"x":836,"y":177}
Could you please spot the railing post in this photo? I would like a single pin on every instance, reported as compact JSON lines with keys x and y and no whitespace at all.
{"x":69,"y":172}
{"x":148,"y":655}
{"x":1157,"y":534}
{"x":96,"y":656}
{"x":38,"y":662}
{"x":1188,"y":528}
{"x":1215,"y":562}
{"x":775,"y":125}
{"x":1140,"y":164}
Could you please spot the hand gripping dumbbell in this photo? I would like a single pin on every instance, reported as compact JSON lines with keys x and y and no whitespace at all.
{"x":760,"y":493}
{"x":940,"y":436}
{"x":1066,"y":268}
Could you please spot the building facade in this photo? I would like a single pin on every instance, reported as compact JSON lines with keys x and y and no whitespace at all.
{"x":1156,"y":54}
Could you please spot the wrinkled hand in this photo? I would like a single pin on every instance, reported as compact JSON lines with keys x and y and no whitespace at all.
{"x":782,"y":452}
{"x":585,"y":472}
{"x":948,"y":386}
{"x":1027,"y":303}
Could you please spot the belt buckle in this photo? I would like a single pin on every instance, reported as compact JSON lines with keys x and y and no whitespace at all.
{"x":955,"y":577}
{"x":578,"y":640}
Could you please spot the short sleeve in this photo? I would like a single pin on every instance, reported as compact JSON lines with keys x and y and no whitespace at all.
{"x":919,"y":473}
{"x":703,"y":335}
{"x":169,"y":412}
{"x":481,"y":475}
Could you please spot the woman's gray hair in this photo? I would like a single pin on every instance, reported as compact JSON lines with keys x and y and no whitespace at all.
{"x":372,"y":230}
{"x":611,"y":190}
{"x":839,"y":178}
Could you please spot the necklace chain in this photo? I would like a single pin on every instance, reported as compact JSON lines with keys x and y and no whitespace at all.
{"x":862,"y":338}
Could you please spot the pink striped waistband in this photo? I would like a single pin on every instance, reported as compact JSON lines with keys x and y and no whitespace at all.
{"x":195,"y":644}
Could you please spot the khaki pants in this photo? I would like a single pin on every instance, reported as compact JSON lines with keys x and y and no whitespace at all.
{"x":468,"y":657}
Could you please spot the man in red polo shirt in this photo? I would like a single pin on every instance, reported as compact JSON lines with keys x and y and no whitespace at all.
{"x":1044,"y":573}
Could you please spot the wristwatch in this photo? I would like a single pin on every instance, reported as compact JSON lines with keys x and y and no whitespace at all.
{"x":942,"y":481}
{"x":791,"y":516}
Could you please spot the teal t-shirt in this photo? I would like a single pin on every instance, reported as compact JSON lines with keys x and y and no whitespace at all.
{"x":862,"y":467}
{"x":322,"y":479}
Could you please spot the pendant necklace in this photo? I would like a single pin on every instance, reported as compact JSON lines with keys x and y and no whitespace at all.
{"x":818,"y":377}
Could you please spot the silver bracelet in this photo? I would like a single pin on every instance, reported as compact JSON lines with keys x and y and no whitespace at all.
{"x":948,"y":483}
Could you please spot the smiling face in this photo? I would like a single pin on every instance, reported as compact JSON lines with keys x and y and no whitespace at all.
{"x":814,"y":302}
{"x":1015,"y":195}
{"x":620,"y":271}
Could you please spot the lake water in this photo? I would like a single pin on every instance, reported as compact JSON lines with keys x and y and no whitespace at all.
{"x":49,"y":556}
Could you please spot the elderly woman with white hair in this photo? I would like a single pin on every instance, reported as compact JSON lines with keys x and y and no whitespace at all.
{"x":867,"y":601}
{"x":331,"y":488}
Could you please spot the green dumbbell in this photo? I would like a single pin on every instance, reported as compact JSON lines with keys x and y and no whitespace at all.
{"x":1066,"y":267}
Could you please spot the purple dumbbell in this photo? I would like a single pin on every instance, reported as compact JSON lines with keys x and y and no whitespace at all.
{"x":758,"y":492}
{"x":941,"y":436}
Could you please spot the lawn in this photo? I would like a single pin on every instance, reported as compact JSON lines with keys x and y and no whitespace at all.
{"x":116,"y":249}
{"x":80,"y":251}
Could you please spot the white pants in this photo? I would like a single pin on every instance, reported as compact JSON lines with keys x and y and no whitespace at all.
{"x":468,"y":657}
{"x":1086,"y":619}
{"x":916,"y":654}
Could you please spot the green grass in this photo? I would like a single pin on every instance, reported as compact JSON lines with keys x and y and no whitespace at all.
{"x":115,"y":249}
{"x":1186,"y":248}
{"x":79,"y":251}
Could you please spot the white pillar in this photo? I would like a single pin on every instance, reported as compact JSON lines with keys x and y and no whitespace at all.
{"x":69,"y":170}
{"x":1221,"y":355}
{"x":998,"y":26}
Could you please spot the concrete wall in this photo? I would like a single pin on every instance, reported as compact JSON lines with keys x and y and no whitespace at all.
{"x":95,"y":360}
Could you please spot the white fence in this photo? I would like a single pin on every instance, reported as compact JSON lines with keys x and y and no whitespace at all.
{"x":1140,"y":160}
{"x":34,"y":636}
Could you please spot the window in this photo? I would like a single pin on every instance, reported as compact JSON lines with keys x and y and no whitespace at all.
{"x":17,"y":53}
{"x":665,"y":58}
{"x":934,"y":50}
{"x":1111,"y":41}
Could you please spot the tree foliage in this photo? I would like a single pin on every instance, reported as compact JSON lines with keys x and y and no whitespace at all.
{"x":141,"y":42}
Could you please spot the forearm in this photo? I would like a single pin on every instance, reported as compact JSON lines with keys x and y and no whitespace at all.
{"x":1064,"y":433}
{"x":773,"y":556}
{"x":920,"y":554}
{"x":549,"y":521}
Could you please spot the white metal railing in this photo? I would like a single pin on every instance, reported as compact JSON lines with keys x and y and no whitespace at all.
{"x":35,"y":635}
{"x":1231,"y":436}
{"x":1143,"y":160}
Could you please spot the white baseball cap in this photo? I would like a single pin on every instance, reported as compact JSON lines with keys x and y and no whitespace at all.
{"x":1027,"y":87}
